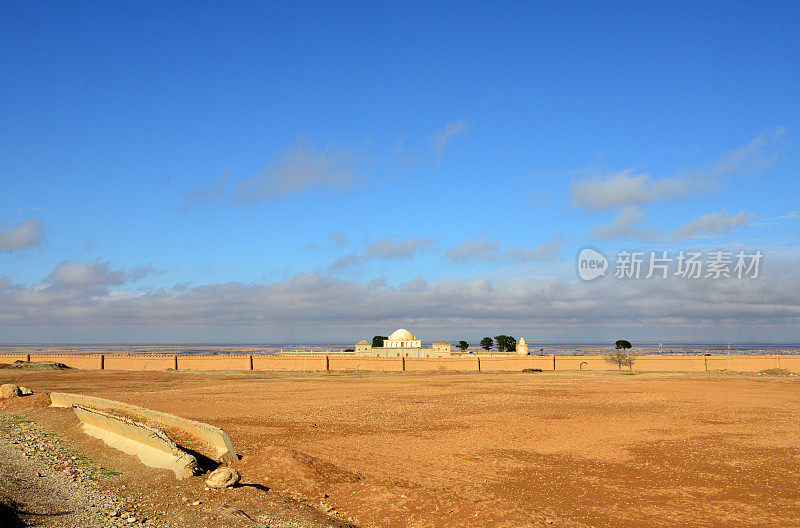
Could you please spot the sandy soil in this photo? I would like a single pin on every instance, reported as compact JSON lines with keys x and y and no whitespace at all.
{"x":479,"y":449}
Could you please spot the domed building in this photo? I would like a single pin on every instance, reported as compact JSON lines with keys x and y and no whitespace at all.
{"x":402,"y":338}
{"x":402,"y":343}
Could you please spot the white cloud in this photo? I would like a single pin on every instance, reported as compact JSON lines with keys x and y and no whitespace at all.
{"x":336,"y":240}
{"x":94,"y":273}
{"x":482,"y":249}
{"x":626,"y":188}
{"x":449,"y":131}
{"x":78,"y":285}
{"x":550,"y":250}
{"x":625,"y":225}
{"x":27,"y":234}
{"x":715,"y":223}
{"x":387,"y":248}
{"x":296,"y":170}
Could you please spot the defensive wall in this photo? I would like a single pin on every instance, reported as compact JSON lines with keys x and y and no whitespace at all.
{"x":461,"y":363}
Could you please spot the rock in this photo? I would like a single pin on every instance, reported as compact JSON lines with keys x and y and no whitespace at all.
{"x":187,"y":471}
{"x":25,"y":391}
{"x":223,"y":477}
{"x":8,"y":390}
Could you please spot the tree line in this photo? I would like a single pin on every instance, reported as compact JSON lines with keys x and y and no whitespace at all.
{"x":504,"y":343}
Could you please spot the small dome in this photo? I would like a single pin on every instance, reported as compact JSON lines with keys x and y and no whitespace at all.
{"x":401,"y":335}
{"x":521,"y":341}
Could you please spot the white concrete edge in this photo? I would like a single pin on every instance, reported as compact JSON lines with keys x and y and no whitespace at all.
{"x":208,"y":434}
{"x":151,"y":446}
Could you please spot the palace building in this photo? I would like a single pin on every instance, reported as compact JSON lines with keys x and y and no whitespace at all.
{"x":403,"y":343}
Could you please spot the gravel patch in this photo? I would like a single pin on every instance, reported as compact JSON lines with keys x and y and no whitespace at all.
{"x":43,"y":483}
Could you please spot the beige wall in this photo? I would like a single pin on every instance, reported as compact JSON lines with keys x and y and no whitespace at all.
{"x":742,"y":363}
{"x":10,"y":358}
{"x":290,"y":363}
{"x":79,"y":361}
{"x":213,"y":362}
{"x":139,"y":362}
{"x":500,"y":363}
{"x":790,"y":363}
{"x":677,"y":363}
{"x":581,"y":363}
{"x":454,"y":363}
{"x":365,"y":363}
{"x":493,"y":363}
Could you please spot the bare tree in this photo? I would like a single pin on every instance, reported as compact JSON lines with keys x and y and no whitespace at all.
{"x":622,"y":354}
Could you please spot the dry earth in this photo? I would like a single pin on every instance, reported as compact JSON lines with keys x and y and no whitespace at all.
{"x":601,"y":449}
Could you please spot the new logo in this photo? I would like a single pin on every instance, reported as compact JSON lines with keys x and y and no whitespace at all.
{"x":591,"y":264}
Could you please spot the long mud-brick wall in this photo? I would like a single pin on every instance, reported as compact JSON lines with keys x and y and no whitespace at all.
{"x":463,"y":363}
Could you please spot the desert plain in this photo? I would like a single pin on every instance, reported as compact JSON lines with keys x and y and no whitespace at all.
{"x":599,"y":449}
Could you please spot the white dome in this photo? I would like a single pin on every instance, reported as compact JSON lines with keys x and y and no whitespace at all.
{"x":401,"y":335}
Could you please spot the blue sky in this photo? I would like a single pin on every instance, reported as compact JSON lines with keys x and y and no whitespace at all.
{"x":279,"y":172}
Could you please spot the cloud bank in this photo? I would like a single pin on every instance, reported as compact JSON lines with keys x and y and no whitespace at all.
{"x":92,"y":297}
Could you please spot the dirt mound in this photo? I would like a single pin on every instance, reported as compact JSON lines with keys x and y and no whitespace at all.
{"x":293,"y":472}
{"x":38,"y":399}
{"x":28,"y":365}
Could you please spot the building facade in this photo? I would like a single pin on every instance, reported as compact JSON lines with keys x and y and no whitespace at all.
{"x":403,"y":343}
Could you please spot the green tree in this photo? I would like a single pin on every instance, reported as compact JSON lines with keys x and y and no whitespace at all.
{"x":463,"y":345}
{"x":505,"y":343}
{"x":487,"y":343}
{"x":377,"y":341}
{"x":623,"y":345}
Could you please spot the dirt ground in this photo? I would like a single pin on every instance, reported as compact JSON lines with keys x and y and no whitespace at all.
{"x":601,"y":449}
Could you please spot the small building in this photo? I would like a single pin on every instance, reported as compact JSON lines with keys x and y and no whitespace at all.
{"x":402,"y":343}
